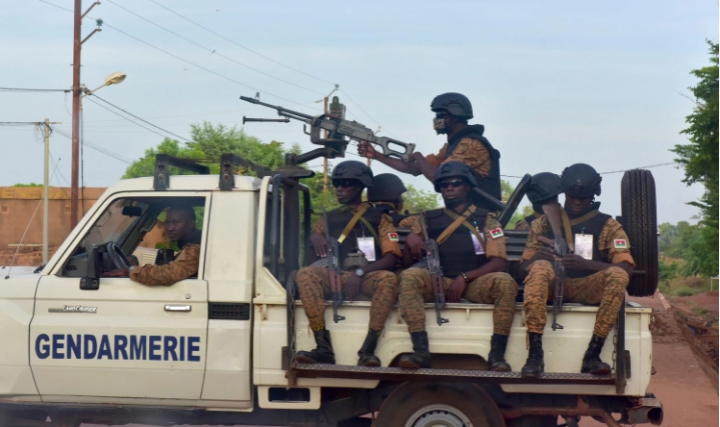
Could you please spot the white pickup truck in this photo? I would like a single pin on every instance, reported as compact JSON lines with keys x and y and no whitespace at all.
{"x":218,"y":348}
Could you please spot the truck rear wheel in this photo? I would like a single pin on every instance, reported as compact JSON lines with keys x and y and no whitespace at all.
{"x":437,"y":404}
{"x":639,"y":219}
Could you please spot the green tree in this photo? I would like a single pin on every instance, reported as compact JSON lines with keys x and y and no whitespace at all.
{"x":700,"y":160}
{"x":32,"y":184}
{"x":419,"y":200}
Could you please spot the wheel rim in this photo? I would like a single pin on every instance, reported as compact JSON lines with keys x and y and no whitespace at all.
{"x":439,"y":415}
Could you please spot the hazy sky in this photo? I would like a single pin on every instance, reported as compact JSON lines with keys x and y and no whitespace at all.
{"x":554,"y":82}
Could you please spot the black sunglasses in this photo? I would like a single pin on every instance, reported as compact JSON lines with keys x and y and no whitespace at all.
{"x":346,"y":183}
{"x":455,"y":183}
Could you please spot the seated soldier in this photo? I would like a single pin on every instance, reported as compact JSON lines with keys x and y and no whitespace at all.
{"x":544,"y":189}
{"x":598,"y":268}
{"x":360,"y":229}
{"x":386,"y":192}
{"x":472,"y":256}
{"x":180,"y":227}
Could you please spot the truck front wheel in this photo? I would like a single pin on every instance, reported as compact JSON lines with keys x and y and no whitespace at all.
{"x":425,"y":405}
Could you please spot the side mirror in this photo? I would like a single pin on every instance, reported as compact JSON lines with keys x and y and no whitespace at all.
{"x":131,"y":211}
{"x":91,"y":281}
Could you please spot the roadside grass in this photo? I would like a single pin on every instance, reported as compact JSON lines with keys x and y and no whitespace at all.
{"x":686,"y":286}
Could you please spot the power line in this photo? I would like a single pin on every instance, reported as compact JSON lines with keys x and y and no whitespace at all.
{"x":241,"y":46}
{"x":365,"y":112}
{"x":213,"y":51}
{"x":139,"y":118}
{"x":96,"y":147}
{"x":22,"y":89}
{"x":19,"y":123}
{"x":640,"y":167}
{"x":105,"y":24}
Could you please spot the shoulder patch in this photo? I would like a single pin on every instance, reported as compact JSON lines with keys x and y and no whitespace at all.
{"x":620,"y":243}
{"x":393,"y":237}
{"x":496,"y":233}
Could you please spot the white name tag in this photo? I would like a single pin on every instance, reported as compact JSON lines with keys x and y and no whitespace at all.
{"x":367,"y":246}
{"x":477,"y":245}
{"x":584,"y":246}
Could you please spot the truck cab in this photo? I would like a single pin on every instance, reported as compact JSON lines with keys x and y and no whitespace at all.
{"x":218,"y":347}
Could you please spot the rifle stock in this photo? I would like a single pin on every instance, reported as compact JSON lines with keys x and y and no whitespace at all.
{"x":334,"y":270}
{"x":553,"y":213}
{"x":435,"y":269}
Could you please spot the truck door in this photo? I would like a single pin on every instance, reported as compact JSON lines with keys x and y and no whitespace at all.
{"x":124,"y":339}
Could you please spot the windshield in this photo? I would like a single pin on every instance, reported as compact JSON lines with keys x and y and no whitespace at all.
{"x":113,"y":223}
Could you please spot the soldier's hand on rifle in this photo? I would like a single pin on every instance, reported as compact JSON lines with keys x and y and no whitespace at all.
{"x":546,"y":254}
{"x":365,"y":149}
{"x":352,"y":287}
{"x":574,"y":262}
{"x":320,"y":244}
{"x":456,"y":289}
{"x":416,"y":245}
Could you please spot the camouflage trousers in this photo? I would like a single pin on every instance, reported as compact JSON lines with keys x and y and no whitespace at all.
{"x":606,"y":287}
{"x":495,"y":288}
{"x":314,"y":285}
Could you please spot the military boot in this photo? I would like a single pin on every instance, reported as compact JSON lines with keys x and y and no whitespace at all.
{"x":323,"y":353}
{"x":496,"y":358}
{"x":535,"y":364}
{"x":591,"y":362}
{"x":367,"y":351}
{"x":421,"y":357}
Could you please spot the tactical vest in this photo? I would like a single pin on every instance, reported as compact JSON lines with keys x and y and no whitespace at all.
{"x":593,"y":226}
{"x":396,"y":216}
{"x":457,"y":253}
{"x":490,"y":183}
{"x":530,"y":218}
{"x":339,"y":218}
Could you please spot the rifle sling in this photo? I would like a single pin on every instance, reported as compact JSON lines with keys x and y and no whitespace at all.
{"x":357,"y":217}
{"x":568,"y":223}
{"x":459,"y":220}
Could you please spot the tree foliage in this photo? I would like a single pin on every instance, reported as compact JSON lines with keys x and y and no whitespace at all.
{"x":687,"y":242}
{"x":419,"y":200}
{"x":700,"y":159}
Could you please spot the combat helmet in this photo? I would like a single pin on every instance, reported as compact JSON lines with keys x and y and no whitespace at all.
{"x":387,"y":187}
{"x":450,"y":169}
{"x":352,"y":169}
{"x":456,"y":104}
{"x":544,"y":186}
{"x":581,"y":181}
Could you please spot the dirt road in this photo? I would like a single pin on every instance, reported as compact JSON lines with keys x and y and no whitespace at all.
{"x":688,"y":397}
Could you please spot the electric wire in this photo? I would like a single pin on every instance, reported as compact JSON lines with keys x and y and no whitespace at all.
{"x":241,"y":46}
{"x":365,"y":112}
{"x":97,"y":148}
{"x":22,"y":89}
{"x":133,"y":115}
{"x":105,"y":24}
{"x":213,"y":51}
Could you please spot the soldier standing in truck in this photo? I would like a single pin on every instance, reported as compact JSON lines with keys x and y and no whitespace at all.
{"x":180,"y":227}
{"x":364,"y":230}
{"x":600,"y":277}
{"x":465,"y":143}
{"x":544,"y":188}
{"x":472,"y":254}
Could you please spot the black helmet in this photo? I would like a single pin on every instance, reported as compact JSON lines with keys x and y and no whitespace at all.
{"x":581,"y":181}
{"x":387,"y":187}
{"x":450,"y":169}
{"x":454,"y":103}
{"x":544,"y":186}
{"x":352,"y":169}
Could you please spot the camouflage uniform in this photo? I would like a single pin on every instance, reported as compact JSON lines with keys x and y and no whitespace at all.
{"x":494,"y":288}
{"x":606,"y":287}
{"x":185,"y":265}
{"x":470,"y":151}
{"x":314,"y":282}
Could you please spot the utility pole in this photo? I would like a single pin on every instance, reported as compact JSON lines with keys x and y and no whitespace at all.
{"x":325,"y":160}
{"x":77,"y":91}
{"x":46,"y":190}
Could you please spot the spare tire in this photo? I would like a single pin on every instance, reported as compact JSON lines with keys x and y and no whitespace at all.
{"x":639,"y":219}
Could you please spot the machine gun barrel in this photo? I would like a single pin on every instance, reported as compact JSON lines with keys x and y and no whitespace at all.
{"x":282,"y":111}
{"x":334,"y":270}
{"x":251,"y":119}
{"x":435,"y":269}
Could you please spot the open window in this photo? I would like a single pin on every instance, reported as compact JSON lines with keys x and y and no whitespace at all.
{"x":126,"y":225}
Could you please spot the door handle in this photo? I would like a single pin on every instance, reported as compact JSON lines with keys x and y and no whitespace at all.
{"x":178,"y":307}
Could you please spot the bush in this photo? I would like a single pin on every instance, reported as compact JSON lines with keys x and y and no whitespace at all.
{"x":684,"y":291}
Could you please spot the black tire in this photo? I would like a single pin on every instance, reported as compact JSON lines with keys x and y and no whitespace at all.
{"x":432,"y":403}
{"x":639,"y":219}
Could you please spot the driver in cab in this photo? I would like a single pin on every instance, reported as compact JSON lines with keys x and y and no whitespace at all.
{"x":180,"y":227}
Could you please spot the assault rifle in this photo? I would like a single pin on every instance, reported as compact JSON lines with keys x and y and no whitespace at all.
{"x":338,"y":129}
{"x":560,"y":247}
{"x":334,"y":270}
{"x":436,"y":275}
